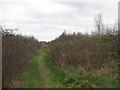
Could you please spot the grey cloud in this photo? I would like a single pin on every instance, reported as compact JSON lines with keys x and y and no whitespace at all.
{"x":47,"y":19}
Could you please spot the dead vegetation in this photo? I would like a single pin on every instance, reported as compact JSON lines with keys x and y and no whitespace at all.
{"x":16,"y":49}
{"x":83,"y":51}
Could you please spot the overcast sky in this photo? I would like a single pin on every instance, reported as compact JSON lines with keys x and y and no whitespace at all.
{"x":47,"y":19}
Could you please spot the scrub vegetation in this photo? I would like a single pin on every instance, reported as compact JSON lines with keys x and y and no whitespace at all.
{"x":72,"y":60}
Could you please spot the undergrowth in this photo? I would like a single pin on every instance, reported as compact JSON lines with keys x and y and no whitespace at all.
{"x":73,"y":78}
{"x":31,"y":76}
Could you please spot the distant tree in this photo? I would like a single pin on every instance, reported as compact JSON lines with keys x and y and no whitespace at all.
{"x":1,"y":29}
{"x":99,"y":23}
{"x":115,"y":29}
{"x":7,"y":31}
{"x":64,"y":33}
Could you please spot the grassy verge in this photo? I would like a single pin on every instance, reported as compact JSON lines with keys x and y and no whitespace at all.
{"x":68,"y":78}
{"x":31,"y":76}
{"x":56,"y":75}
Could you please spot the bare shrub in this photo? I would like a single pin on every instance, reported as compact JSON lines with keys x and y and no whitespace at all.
{"x":88,"y":52}
{"x":16,"y":49}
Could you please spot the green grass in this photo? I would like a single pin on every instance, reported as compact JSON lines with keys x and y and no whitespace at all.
{"x":56,"y":74}
{"x":61,"y":77}
{"x":31,"y":76}
{"x":64,"y":77}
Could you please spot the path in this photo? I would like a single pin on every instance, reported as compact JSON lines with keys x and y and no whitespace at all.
{"x":45,"y":80}
{"x":36,"y":74}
